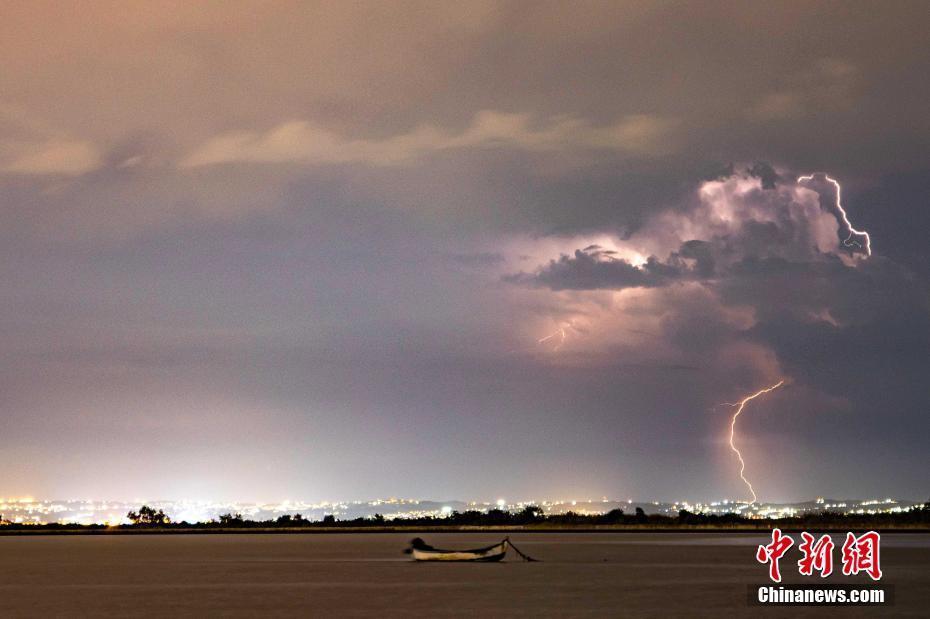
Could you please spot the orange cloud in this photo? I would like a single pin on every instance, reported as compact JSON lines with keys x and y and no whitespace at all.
{"x":310,"y":143}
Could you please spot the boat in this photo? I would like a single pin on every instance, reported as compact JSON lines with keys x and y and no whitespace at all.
{"x":422,"y":551}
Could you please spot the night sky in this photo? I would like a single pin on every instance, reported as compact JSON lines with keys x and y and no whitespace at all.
{"x":267,"y":250}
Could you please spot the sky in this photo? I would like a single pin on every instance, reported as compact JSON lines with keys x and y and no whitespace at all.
{"x":523,"y":250}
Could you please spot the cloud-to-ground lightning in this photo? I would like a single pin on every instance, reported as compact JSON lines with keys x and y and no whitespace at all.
{"x":839,"y":206}
{"x":740,"y":405}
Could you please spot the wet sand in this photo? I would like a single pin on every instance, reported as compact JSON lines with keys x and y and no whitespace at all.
{"x":580,"y":575}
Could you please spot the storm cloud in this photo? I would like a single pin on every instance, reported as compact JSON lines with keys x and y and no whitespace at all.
{"x":742,"y":217}
{"x":593,"y":268}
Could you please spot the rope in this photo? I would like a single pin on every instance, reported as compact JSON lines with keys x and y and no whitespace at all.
{"x":517,"y":550}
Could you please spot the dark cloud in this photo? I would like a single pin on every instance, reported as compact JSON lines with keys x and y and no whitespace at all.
{"x":595,"y":268}
{"x":766,"y":173}
{"x":744,"y":217}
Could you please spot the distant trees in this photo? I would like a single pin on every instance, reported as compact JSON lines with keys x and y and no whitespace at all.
{"x":148,"y":515}
{"x":534,"y":516}
{"x":231,"y":520}
{"x":614,"y":516}
{"x":296,"y":520}
{"x":530,"y":513}
{"x":497,"y":517}
{"x":922,"y":514}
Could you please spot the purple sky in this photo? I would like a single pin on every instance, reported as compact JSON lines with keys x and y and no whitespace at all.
{"x":268,"y":250}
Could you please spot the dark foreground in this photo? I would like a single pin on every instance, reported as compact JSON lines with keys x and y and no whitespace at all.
{"x":580,"y":574}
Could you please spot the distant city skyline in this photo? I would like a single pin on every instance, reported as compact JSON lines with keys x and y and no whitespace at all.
{"x":89,"y":511}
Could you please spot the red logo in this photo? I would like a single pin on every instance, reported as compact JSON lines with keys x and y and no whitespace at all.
{"x":860,"y":554}
{"x":773,"y":552}
{"x":817,"y":556}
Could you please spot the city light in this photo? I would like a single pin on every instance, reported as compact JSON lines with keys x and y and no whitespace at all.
{"x":112,"y":513}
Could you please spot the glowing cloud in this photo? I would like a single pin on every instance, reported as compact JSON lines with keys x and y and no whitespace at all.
{"x":309,"y":143}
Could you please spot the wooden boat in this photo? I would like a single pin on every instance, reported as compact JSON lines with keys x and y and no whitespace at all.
{"x":422,"y":551}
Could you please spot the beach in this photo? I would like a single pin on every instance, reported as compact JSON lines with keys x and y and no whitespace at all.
{"x":365,"y":574}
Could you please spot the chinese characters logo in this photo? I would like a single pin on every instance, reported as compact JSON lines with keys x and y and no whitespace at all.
{"x":859,"y":554}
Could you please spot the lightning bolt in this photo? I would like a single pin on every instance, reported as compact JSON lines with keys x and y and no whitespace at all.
{"x":849,"y":242}
{"x":740,"y":405}
{"x":559,"y":333}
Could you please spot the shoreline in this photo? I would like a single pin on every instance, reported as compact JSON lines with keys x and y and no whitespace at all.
{"x":41,"y":531}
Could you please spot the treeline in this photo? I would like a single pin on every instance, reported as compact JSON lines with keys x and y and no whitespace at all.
{"x":149,"y":518}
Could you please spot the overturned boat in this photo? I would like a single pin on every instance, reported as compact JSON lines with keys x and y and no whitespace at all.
{"x":422,"y":551}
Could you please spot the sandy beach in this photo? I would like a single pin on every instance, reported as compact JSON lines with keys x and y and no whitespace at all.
{"x":579,"y":574}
